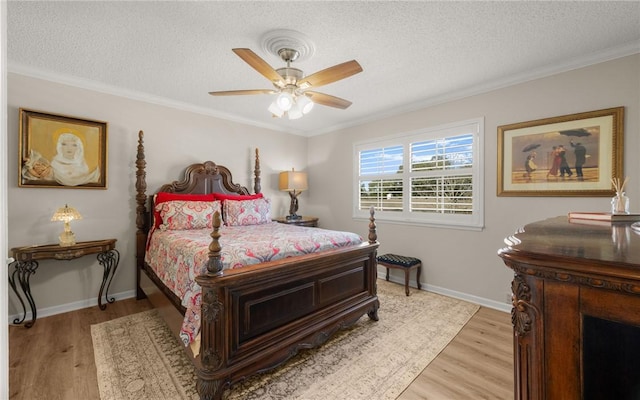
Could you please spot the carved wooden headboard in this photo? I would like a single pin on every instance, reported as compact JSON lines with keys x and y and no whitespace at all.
{"x":200,"y":178}
{"x":204,"y":178}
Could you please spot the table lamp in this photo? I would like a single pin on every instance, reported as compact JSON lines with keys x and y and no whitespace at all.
{"x":66,"y":214}
{"x":293,"y":182}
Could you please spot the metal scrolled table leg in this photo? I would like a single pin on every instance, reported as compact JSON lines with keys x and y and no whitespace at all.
{"x":23,"y":271}
{"x":109,"y":260}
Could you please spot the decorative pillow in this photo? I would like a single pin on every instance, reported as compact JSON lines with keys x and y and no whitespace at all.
{"x":183,"y":215}
{"x":162,"y":197}
{"x":222,"y":197}
{"x":247,"y":212}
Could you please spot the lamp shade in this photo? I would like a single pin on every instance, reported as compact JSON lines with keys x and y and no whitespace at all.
{"x":294,"y":112}
{"x":275,"y":110}
{"x":284,"y":101}
{"x":66,"y":214}
{"x":305,"y":104}
{"x":291,"y":181}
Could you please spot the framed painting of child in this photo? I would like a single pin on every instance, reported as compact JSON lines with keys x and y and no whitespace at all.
{"x":62,"y":152}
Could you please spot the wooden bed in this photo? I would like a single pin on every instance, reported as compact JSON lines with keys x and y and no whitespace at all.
{"x":256,"y":317}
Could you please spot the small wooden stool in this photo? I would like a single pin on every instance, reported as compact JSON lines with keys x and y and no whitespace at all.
{"x":404,"y":263}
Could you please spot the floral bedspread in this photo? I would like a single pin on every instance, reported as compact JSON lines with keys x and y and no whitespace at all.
{"x":178,"y":256}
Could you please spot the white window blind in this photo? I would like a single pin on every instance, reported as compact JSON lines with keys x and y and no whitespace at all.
{"x":433,"y":176}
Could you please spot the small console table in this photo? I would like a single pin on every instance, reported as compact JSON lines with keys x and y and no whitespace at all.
{"x":26,"y":264}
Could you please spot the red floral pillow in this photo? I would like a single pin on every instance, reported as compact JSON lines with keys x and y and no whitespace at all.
{"x":161,"y":197}
{"x":247,"y":212}
{"x":183,"y":215}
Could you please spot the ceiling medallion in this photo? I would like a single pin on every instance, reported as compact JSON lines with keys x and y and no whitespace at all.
{"x":276,"y":40}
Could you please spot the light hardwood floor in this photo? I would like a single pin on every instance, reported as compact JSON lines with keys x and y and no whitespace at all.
{"x":477,"y":364}
{"x":54,"y":359}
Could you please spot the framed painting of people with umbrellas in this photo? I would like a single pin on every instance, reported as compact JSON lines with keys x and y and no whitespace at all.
{"x":59,"y":151}
{"x":569,"y":155}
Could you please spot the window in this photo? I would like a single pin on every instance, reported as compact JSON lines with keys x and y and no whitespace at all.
{"x":432,"y":176}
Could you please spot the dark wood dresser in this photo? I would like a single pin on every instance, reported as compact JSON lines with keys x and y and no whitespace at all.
{"x":576,"y":310}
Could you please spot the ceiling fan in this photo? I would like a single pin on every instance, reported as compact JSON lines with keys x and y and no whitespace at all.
{"x":295,"y":97}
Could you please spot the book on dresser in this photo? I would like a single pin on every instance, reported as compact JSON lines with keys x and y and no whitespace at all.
{"x":603,"y":216}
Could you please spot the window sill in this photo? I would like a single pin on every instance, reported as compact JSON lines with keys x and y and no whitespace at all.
{"x":425,"y":224}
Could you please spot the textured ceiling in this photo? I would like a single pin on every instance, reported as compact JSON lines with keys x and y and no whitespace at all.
{"x":413,"y":53}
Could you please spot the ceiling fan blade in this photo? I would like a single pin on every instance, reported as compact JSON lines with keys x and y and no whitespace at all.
{"x":330,"y":74}
{"x":242,"y":92}
{"x":328,"y":100}
{"x":259,"y":65}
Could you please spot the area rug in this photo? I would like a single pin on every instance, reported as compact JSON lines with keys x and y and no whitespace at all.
{"x":138,"y":358}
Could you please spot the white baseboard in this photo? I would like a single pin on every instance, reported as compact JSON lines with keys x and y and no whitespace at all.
{"x":63,"y":308}
{"x":496,"y":305}
{"x":77,"y":305}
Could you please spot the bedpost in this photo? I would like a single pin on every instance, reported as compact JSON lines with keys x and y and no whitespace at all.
{"x":373,"y":260}
{"x":141,"y":212}
{"x":214,"y":265}
{"x":373,"y":235}
{"x":212,"y":330}
{"x":256,"y":173}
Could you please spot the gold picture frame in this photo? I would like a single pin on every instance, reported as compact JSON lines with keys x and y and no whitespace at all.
{"x":58,"y":151}
{"x":570,"y":155}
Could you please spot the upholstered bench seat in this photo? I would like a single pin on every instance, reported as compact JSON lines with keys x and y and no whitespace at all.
{"x":403,"y":263}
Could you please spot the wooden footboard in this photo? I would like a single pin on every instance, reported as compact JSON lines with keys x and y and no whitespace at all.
{"x":256,"y":317}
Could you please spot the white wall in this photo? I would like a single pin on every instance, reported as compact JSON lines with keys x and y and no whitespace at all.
{"x":465,"y":262}
{"x":173,"y":139}
{"x":457,"y":262}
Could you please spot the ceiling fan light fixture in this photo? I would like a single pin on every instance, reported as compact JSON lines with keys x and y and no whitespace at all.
{"x":284,"y":101}
{"x":305,"y":104}
{"x":290,"y":84}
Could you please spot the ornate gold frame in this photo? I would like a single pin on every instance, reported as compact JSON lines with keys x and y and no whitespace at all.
{"x":543,"y":140}
{"x":42,"y":164}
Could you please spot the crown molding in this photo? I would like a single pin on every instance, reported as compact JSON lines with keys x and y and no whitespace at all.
{"x":613,"y":53}
{"x":21,"y":69}
{"x":542,"y":72}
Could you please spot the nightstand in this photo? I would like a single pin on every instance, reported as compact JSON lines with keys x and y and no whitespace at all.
{"x":303,"y":221}
{"x":26,"y":264}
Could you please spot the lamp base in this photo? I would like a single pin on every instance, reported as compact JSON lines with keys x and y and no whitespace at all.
{"x":67,"y":239}
{"x":293,"y":217}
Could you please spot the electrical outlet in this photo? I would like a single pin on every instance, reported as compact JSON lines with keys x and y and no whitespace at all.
{"x":508,"y":299}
